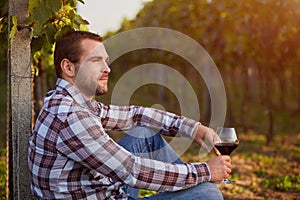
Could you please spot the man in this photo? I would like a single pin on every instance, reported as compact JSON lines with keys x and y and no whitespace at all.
{"x":72,"y":157}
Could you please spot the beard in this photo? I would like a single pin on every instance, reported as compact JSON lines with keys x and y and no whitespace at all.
{"x":91,"y":88}
{"x":101,"y":89}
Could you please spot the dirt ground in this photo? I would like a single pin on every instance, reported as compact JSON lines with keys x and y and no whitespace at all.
{"x":263,"y":172}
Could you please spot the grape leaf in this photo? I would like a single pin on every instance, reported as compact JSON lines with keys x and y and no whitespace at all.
{"x":53,"y":5}
{"x":64,"y":30}
{"x":78,"y":20}
{"x":37,"y":44}
{"x":40,"y":14}
{"x":13,"y":29}
{"x":50,"y":31}
{"x":38,"y":29}
{"x":32,"y":4}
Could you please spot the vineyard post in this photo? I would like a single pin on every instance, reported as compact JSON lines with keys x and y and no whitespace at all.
{"x":20,"y":104}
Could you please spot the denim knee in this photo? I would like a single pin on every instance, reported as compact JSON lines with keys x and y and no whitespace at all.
{"x":208,"y":191}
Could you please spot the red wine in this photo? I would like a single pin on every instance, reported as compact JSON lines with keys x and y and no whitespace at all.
{"x":226,"y":148}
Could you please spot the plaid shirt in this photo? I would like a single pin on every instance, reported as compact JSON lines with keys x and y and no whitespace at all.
{"x":72,"y":157}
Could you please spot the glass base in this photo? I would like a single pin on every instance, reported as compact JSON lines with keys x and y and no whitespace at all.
{"x":227,"y":181}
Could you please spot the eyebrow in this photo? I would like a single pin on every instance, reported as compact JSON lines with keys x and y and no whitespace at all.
{"x":98,"y":57}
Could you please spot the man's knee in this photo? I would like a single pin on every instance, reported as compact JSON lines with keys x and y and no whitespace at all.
{"x":204,"y":191}
{"x":142,"y":132}
{"x":208,"y":191}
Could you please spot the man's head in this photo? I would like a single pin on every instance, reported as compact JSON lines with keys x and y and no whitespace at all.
{"x":81,"y":59}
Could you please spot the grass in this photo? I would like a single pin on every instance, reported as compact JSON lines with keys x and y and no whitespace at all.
{"x":283,"y":183}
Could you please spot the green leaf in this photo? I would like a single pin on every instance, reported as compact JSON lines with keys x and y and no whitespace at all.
{"x":13,"y":29}
{"x":1,"y":24}
{"x":53,"y":5}
{"x":41,"y":48}
{"x":72,"y":3}
{"x":32,"y":4}
{"x":36,"y":70}
{"x":40,"y":14}
{"x":4,"y":9}
{"x":47,"y":47}
{"x":38,"y":29}
{"x":37,"y":44}
{"x":63,"y":31}
{"x":81,"y":1}
{"x":50,"y":31}
{"x":78,"y":20}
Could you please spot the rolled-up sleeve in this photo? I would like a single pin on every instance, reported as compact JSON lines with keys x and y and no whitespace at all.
{"x":126,"y":117}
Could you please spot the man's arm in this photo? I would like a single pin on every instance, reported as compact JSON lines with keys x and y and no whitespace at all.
{"x":84,"y":141}
{"x":169,"y":124}
{"x":219,"y":166}
{"x":127,"y":117}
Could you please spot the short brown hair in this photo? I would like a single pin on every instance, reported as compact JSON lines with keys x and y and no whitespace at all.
{"x":68,"y":46}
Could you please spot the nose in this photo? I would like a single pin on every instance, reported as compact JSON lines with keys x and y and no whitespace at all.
{"x":105,"y":68}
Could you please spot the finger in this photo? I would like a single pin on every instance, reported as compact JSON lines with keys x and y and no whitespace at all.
{"x":205,"y":147}
{"x":228,"y":170}
{"x":212,"y":137}
{"x":229,"y":165}
{"x":226,"y":158}
{"x":217,"y":152}
{"x":208,"y":143}
{"x":227,"y":175}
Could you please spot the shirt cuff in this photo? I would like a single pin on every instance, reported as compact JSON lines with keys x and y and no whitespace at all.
{"x":208,"y":171}
{"x":203,"y":171}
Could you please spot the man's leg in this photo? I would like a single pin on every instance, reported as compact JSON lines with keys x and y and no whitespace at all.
{"x":146,"y":143}
{"x":204,"y":191}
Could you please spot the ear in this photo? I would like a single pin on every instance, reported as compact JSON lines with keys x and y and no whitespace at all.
{"x":68,"y":68}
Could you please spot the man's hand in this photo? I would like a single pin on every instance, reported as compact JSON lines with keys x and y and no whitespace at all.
{"x":204,"y":136}
{"x":220,"y":168}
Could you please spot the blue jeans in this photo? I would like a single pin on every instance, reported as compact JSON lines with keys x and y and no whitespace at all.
{"x":146,"y":143}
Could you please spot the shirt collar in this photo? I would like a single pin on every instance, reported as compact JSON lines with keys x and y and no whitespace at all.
{"x":63,"y":85}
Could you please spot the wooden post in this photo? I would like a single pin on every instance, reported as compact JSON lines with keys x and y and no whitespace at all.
{"x":20,"y":109}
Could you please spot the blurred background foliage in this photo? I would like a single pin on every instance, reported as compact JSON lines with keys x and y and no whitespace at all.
{"x":254,"y":43}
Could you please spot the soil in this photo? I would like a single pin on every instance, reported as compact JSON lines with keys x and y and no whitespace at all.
{"x":265,"y":172}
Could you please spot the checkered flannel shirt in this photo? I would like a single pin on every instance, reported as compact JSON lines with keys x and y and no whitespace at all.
{"x":72,"y":157}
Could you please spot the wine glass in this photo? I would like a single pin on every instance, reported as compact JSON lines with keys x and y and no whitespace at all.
{"x":226,"y":143}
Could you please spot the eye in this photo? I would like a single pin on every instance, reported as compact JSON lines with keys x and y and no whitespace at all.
{"x":96,"y":60}
{"x":107,"y":62}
